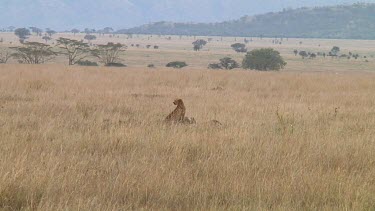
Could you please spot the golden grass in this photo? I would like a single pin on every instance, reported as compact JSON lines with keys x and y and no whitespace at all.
{"x":92,"y":139}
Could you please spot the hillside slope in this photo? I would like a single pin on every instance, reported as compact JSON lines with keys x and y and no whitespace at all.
{"x":355,"y":21}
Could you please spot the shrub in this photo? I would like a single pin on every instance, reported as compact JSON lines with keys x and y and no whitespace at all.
{"x":215,"y":66}
{"x":177,"y":64}
{"x":87,"y":63}
{"x":263,"y":59}
{"x":115,"y":64}
{"x":239,"y":47}
{"x":225,"y":63}
{"x":151,"y":66}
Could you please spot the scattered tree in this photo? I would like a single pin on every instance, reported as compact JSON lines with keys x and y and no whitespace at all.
{"x":335,"y":50}
{"x":46,"y":38}
{"x":36,"y":30}
{"x":263,"y":59}
{"x":109,"y":53}
{"x":5,"y":55}
{"x":33,"y":53}
{"x":107,"y":30}
{"x":75,"y":31}
{"x":74,"y":49}
{"x":89,"y":37}
{"x":50,"y":32}
{"x":239,"y":47}
{"x":198,"y":44}
{"x":304,"y":54}
{"x":22,"y":34}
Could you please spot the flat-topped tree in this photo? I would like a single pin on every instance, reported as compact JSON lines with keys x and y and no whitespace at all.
{"x":75,"y":50}
{"x":198,"y":44}
{"x":107,"y":30}
{"x":335,"y":51}
{"x":75,"y":31}
{"x":50,"y":32}
{"x":22,"y":34}
{"x":33,"y":53}
{"x":109,"y":53}
{"x":239,"y":47}
{"x":90,"y":37}
{"x":46,"y":38}
{"x":36,"y":30}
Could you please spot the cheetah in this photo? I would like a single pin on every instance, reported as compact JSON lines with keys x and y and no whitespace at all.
{"x":178,"y":115}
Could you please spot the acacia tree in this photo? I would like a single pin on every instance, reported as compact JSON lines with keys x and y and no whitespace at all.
{"x":50,"y":32}
{"x":75,"y":31}
{"x":198,"y":44}
{"x":110,"y":53}
{"x":33,"y":53}
{"x":36,"y":30}
{"x":5,"y":56}
{"x":239,"y":47}
{"x":46,"y":38}
{"x":74,"y":49}
{"x":303,"y":54}
{"x":89,"y":37}
{"x":335,"y":50}
{"x":22,"y":34}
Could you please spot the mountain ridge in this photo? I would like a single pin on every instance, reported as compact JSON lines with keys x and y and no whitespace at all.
{"x":119,"y":14}
{"x":356,"y":21}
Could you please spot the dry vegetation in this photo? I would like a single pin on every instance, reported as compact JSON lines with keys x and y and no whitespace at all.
{"x":93,"y":138}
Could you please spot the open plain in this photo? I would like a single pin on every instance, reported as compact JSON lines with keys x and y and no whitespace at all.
{"x":93,"y":138}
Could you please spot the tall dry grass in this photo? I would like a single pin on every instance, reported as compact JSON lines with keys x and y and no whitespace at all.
{"x":92,"y":139}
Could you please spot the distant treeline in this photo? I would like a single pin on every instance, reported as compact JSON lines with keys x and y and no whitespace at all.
{"x":355,"y":21}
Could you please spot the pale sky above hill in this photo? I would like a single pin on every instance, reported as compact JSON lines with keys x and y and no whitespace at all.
{"x":119,"y":14}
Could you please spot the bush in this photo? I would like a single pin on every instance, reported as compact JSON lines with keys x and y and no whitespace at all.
{"x":263,"y":59}
{"x":225,"y":63}
{"x":151,"y":66}
{"x":239,"y":47}
{"x":87,"y":63}
{"x":115,"y":64}
{"x":215,"y":66}
{"x":177,"y":64}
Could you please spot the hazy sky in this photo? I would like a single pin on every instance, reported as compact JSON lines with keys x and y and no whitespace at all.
{"x":67,"y":14}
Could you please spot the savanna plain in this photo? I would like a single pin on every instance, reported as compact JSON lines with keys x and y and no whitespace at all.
{"x":93,"y":138}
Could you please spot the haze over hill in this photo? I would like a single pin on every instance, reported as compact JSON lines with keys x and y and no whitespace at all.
{"x":355,"y":21}
{"x":67,"y":14}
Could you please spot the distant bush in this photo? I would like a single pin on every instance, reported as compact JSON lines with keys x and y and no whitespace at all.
{"x":225,"y":63}
{"x":115,"y":64}
{"x":177,"y":64}
{"x":239,"y":47}
{"x":151,"y":66}
{"x":264,"y":59}
{"x":87,"y":63}
{"x":215,"y":66}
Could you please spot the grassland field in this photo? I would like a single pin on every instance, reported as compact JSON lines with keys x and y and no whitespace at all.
{"x":92,"y":138}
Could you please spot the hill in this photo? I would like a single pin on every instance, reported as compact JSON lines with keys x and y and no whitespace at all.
{"x":119,"y":14}
{"x":355,"y":21}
